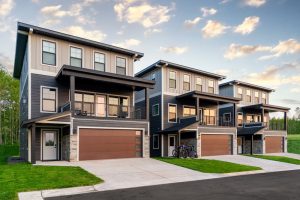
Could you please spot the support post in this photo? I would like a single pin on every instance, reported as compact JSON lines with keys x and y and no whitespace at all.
{"x":234,"y":117}
{"x":251,"y":144}
{"x":197,"y":109}
{"x":72,"y":94}
{"x":147,"y":103}
{"x":263,"y":117}
{"x":285,"y":126}
{"x":33,"y":142}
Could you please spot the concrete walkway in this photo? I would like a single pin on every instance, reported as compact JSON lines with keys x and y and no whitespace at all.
{"x":289,"y":155}
{"x":266,"y":165}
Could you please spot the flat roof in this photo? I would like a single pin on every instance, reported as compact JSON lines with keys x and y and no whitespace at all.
{"x":268,"y":107}
{"x":161,"y":63}
{"x":22,"y":36}
{"x":237,"y":82}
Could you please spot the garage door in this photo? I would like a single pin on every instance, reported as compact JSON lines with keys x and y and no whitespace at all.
{"x":95,"y":144}
{"x":274,"y":144}
{"x":212,"y":145}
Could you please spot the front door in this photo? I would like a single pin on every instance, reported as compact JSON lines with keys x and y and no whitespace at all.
{"x":100,"y":106}
{"x":240,"y":145}
{"x":49,"y":145}
{"x":172,"y":145}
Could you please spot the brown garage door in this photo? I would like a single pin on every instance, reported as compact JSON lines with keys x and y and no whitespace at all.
{"x":212,"y":145}
{"x":95,"y":144}
{"x":274,"y":144}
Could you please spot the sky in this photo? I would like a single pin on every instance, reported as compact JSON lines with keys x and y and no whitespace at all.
{"x":257,"y":41}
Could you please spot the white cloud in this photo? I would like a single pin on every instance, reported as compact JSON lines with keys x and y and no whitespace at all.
{"x":189,"y":23}
{"x":152,"y":31}
{"x":290,"y":46}
{"x":128,"y":43}
{"x":208,"y":11}
{"x":6,"y":62}
{"x":81,"y":32}
{"x":141,"y":12}
{"x":248,"y":26}
{"x":213,"y":29}
{"x":174,"y":49}
{"x":224,"y":1}
{"x":50,"y":22}
{"x":6,"y":7}
{"x":223,"y":72}
{"x":254,"y":3}
{"x":295,"y":90}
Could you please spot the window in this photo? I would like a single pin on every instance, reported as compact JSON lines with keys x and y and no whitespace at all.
{"x":48,"y":99}
{"x":172,"y":79}
{"x":189,"y":111}
{"x":155,"y":110}
{"x":227,"y":117}
{"x":155,"y":141}
{"x":76,"y":57}
{"x":186,"y":82}
{"x":240,"y":119}
{"x":172,"y":117}
{"x":211,"y":87}
{"x":248,"y":95}
{"x":121,"y":66}
{"x":85,"y":103}
{"x":256,"y":97}
{"x":153,"y":76}
{"x":240,"y":93}
{"x":99,"y":61}
{"x":118,"y":106}
{"x":199,"y":84}
{"x":48,"y":53}
{"x":210,"y":116}
{"x":264,"y":98}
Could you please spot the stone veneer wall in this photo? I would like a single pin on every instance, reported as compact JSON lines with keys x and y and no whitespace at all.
{"x":66,"y":147}
{"x":146,"y":146}
{"x":73,"y":147}
{"x":257,"y":147}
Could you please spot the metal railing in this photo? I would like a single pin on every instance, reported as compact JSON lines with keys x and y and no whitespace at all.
{"x":215,"y":121}
{"x":274,"y":126}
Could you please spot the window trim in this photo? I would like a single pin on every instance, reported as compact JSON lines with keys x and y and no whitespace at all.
{"x":52,"y":41}
{"x":201,"y":78}
{"x":265,"y":99}
{"x":172,"y":104}
{"x":190,"y":77}
{"x":187,"y":106}
{"x":153,"y":109}
{"x":258,"y":99}
{"x":82,"y":54}
{"x":210,"y":87}
{"x":153,"y":76}
{"x":172,"y":79}
{"x":156,"y":135}
{"x":41,"y":99}
{"x":248,"y":95}
{"x":126,"y":64}
{"x":238,"y":119}
{"x":225,"y":118}
{"x":99,"y":52}
{"x":118,"y":96}
{"x":237,"y":91}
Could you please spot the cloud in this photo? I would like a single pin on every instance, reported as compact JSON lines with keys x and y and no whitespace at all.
{"x":223,"y":72}
{"x":254,"y":3}
{"x":81,"y":32}
{"x":174,"y":49}
{"x":213,"y":29}
{"x":224,"y":1}
{"x":189,"y":23}
{"x":248,"y":26}
{"x":274,"y":76}
{"x":208,"y":11}
{"x":295,"y":90}
{"x":142,"y":12}
{"x":6,"y":7}
{"x":152,"y":31}
{"x":128,"y":43}
{"x":6,"y":62}
{"x":291,"y":101}
{"x":290,"y":46}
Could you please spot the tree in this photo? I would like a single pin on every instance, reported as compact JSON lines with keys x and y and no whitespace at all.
{"x":297,"y":113}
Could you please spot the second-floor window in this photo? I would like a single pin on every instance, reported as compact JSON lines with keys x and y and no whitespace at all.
{"x":48,"y":99}
{"x":240,"y":119}
{"x":199,"y":84}
{"x":211,"y":86}
{"x":248,"y":95}
{"x":256,"y":97}
{"x":49,"y":53}
{"x":76,"y":57}
{"x":227,"y":117}
{"x":264,"y":98}
{"x":84,"y":103}
{"x":240,"y":92}
{"x":121,"y":66}
{"x":186,"y":82}
{"x":172,"y":115}
{"x":210,"y":116}
{"x":172,"y":80}
{"x":189,"y":111}
{"x":99,"y":61}
{"x":155,"y":110}
{"x":118,"y":106}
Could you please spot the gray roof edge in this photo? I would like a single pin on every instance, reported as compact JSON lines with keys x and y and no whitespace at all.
{"x":237,"y":82}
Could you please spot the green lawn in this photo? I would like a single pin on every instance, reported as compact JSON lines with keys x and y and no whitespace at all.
{"x":278,"y":158}
{"x":23,"y":177}
{"x":294,"y":143}
{"x":208,"y":166}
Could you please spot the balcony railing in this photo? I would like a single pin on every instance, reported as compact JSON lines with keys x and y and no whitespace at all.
{"x":274,"y":126}
{"x":109,"y":111}
{"x":214,"y":121}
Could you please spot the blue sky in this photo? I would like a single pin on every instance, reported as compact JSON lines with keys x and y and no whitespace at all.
{"x":251,"y":40}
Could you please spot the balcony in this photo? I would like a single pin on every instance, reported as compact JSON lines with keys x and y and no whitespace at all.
{"x":214,"y":121}
{"x":271,"y":126}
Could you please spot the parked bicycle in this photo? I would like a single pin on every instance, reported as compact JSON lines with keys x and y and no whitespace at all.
{"x":184,"y":151}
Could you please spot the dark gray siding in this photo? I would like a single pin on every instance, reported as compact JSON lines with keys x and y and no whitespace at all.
{"x":41,"y":80}
{"x":224,"y":110}
{"x":227,"y":90}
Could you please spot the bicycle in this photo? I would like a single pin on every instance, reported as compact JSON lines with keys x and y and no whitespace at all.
{"x":180,"y":152}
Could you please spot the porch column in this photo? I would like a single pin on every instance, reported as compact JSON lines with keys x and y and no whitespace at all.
{"x":147,"y":103}
{"x":285,"y":119}
{"x":263,"y":117}
{"x":197,"y":109}
{"x":251,"y":144}
{"x":33,"y":159}
{"x":234,"y":117}
{"x":72,"y":94}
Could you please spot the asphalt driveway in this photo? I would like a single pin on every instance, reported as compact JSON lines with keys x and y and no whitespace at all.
{"x":275,"y":186}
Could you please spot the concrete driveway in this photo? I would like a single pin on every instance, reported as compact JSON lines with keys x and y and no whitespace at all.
{"x":266,"y":165}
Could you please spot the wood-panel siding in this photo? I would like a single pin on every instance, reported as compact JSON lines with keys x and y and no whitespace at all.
{"x":213,"y":145}
{"x":274,"y":144}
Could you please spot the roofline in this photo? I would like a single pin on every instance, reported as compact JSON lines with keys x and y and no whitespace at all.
{"x":171,"y":64}
{"x":237,"y":82}
{"x":268,"y":106}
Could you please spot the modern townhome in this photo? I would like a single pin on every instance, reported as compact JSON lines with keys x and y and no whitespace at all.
{"x":77,"y":98}
{"x":256,"y":133}
{"x":184,"y":109}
